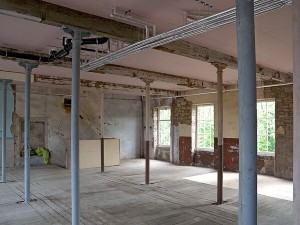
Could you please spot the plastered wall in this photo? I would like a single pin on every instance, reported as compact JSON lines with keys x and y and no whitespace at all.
{"x":122,"y":119}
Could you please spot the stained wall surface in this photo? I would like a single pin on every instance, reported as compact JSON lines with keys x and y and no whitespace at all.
{"x":122,"y":118}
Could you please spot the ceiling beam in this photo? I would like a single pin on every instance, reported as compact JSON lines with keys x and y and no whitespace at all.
{"x":51,"y":14}
{"x":232,"y":87}
{"x":18,"y":55}
{"x":191,"y":50}
{"x":108,"y":87}
{"x":150,"y":75}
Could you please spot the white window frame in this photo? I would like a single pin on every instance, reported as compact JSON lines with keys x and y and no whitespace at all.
{"x":158,"y":124}
{"x":258,"y":150}
{"x":196,"y":147}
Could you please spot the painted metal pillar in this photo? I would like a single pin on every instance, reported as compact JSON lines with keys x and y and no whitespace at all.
{"x":220,"y":67}
{"x":75,"y":183}
{"x":4,"y":114}
{"x":28,"y":70}
{"x":102,"y":127}
{"x":247,"y":113}
{"x":296,"y":106}
{"x":147,"y":139}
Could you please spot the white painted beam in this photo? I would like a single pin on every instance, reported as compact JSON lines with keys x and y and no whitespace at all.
{"x":112,"y":69}
{"x":108,"y":87}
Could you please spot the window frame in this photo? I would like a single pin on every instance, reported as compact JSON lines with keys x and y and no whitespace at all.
{"x":267,"y":119}
{"x":196,"y":147}
{"x":158,"y":125}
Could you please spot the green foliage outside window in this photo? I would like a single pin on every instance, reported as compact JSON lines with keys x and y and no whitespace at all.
{"x":205,"y":127}
{"x":164,"y":126}
{"x":266,"y":126}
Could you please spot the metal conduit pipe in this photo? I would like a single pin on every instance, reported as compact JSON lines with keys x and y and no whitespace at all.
{"x":136,"y":21}
{"x":208,"y":25}
{"x":191,"y":29}
{"x":67,"y":46}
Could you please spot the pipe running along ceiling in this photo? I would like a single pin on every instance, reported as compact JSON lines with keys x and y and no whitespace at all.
{"x":194,"y":28}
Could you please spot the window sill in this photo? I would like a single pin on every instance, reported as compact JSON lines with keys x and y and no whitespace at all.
{"x":163,"y":146}
{"x":265,"y":153}
{"x":204,"y":150}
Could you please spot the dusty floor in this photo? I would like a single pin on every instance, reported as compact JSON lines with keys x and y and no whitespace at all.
{"x":118,"y":196}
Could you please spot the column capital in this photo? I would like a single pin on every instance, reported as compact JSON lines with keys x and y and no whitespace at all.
{"x":28,"y":66}
{"x":73,"y":30}
{"x":147,"y":81}
{"x":219,"y":66}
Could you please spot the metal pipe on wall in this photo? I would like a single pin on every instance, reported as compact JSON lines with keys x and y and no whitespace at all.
{"x":296,"y":108}
{"x":247,"y":113}
{"x":28,"y":70}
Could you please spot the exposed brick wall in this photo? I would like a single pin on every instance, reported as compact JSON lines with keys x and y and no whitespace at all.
{"x":283,"y":96}
{"x":185,"y":151}
{"x":181,"y":123}
{"x":204,"y":159}
{"x":265,"y":164}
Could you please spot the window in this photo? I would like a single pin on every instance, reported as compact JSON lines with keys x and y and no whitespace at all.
{"x":266,"y":126}
{"x":203,"y":126}
{"x":164,"y":126}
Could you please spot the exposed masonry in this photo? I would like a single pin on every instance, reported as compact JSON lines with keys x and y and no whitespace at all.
{"x":283,"y":96}
{"x":182,"y":112}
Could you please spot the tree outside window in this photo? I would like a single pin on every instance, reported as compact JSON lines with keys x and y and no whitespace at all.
{"x":203,"y":126}
{"x":164,"y":126}
{"x":266,"y":126}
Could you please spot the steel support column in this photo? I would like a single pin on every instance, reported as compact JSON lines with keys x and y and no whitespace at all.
{"x":4,"y":115}
{"x":147,"y":138}
{"x":28,"y":70}
{"x":102,"y":127}
{"x":296,"y":106}
{"x":75,"y":183}
{"x":247,"y":113}
{"x":220,"y":67}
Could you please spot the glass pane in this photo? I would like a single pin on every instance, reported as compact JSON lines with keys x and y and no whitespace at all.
{"x":271,"y":143}
{"x":271,"y":126}
{"x":262,"y":143}
{"x":164,"y":132}
{"x":261,"y":110}
{"x":165,"y":114}
{"x":261,"y":126}
{"x":205,"y":124}
{"x":200,"y":141}
{"x":271,"y":109}
{"x":207,"y":127}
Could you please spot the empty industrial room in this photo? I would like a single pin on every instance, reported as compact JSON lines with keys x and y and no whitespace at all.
{"x":150,"y":112}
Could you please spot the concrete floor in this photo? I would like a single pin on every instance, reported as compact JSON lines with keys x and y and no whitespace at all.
{"x":118,"y":196}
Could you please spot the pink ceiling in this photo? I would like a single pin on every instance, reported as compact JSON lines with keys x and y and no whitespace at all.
{"x":273,"y":39}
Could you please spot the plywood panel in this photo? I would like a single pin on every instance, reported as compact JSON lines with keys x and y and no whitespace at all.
{"x":89,"y":153}
{"x":90,"y":157}
{"x":111,"y":152}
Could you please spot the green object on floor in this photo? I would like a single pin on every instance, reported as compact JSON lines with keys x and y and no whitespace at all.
{"x":42,"y":151}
